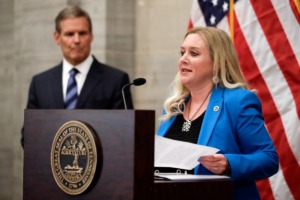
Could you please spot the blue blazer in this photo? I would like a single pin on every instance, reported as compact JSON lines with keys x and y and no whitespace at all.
{"x":233,"y":123}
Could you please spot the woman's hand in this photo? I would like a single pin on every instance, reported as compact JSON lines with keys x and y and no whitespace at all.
{"x":217,"y":163}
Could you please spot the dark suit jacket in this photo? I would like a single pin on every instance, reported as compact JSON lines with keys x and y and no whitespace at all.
{"x":102,"y":89}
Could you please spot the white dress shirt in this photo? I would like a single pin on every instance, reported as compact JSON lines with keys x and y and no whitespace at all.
{"x":80,"y":77}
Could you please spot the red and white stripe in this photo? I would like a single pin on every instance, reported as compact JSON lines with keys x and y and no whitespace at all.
{"x":267,"y":39}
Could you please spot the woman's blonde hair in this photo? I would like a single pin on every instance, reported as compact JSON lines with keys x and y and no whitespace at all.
{"x":226,"y":68}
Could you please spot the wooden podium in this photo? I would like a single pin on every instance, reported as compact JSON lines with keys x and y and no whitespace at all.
{"x":126,"y":170}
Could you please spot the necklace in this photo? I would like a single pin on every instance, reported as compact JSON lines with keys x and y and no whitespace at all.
{"x":188,"y":123}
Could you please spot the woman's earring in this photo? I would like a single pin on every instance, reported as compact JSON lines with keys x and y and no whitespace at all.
{"x":216,"y":79}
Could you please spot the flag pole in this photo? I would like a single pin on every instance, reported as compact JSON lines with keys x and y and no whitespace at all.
{"x":231,"y":19}
{"x":297,"y":3}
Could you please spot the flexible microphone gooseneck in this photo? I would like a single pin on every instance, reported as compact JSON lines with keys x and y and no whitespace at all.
{"x":136,"y":82}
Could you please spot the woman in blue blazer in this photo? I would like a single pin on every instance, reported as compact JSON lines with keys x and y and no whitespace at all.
{"x":212,"y":105}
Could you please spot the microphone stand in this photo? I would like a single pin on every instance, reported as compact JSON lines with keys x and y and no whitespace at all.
{"x":136,"y":82}
{"x":124,"y":100}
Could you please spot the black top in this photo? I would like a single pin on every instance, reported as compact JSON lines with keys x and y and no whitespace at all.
{"x":175,"y":132}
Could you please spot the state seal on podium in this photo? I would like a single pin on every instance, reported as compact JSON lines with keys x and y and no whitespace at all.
{"x":74,"y":157}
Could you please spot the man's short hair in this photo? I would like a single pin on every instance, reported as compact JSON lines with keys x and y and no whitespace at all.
{"x":71,"y":12}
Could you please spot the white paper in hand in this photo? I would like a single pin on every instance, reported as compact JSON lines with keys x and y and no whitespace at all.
{"x":177,"y":154}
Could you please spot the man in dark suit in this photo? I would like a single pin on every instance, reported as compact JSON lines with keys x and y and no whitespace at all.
{"x":98,"y":86}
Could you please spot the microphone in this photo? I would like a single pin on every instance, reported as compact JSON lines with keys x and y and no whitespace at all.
{"x":136,"y":82}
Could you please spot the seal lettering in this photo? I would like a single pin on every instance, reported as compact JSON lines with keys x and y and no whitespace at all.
{"x":74,"y":157}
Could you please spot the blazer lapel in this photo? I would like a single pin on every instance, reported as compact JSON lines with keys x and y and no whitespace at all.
{"x":91,"y":81}
{"x":56,"y":86}
{"x":211,"y":115}
{"x":165,"y":126}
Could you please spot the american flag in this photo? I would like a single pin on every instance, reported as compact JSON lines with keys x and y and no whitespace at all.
{"x":267,"y":38}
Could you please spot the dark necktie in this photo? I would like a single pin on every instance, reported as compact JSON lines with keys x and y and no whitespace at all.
{"x":72,"y":96}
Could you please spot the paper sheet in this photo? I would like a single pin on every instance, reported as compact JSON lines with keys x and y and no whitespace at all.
{"x":188,"y":177}
{"x":177,"y":154}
